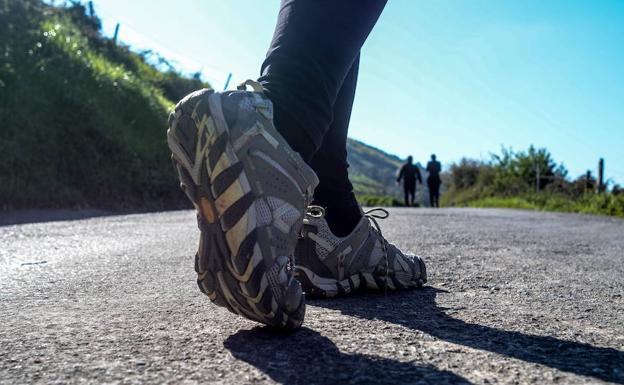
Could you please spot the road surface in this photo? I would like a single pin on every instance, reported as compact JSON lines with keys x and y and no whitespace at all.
{"x":515,"y":297}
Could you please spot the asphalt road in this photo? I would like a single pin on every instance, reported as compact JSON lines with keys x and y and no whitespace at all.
{"x":514,"y":297}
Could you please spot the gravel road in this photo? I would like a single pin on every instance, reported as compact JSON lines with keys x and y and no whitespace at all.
{"x":515,"y":297}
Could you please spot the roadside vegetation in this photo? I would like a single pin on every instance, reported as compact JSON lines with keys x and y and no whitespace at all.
{"x":528,"y":179}
{"x":378,"y":200}
{"x":83,"y":118}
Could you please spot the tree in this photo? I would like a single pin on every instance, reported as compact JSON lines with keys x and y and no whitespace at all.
{"x":534,"y":166}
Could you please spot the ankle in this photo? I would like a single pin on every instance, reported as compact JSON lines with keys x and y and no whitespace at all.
{"x":343,"y":220}
{"x":296,"y":137}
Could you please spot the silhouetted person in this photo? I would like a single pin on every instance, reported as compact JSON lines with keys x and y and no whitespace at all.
{"x":409,"y":173}
{"x":433,"y":181}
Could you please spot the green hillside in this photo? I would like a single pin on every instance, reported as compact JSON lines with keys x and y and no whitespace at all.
{"x":371,"y":170}
{"x":83,"y":119}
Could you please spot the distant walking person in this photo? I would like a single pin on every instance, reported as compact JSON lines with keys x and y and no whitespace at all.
{"x":409,"y":173}
{"x":433,"y":181}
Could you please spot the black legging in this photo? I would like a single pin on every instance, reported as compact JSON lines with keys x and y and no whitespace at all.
{"x":434,"y":192}
{"x":410,"y":193}
{"x":310,"y":74}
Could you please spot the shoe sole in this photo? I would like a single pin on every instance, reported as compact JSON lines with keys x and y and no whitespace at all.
{"x":235,"y":264}
{"x":316,"y":286}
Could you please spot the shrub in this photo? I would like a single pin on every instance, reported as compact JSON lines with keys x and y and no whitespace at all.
{"x":511,"y":180}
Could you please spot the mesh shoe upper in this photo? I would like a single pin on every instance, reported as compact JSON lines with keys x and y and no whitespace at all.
{"x":332,"y":264}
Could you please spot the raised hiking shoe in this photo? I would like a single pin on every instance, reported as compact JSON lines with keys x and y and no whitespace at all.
{"x":250,"y":190}
{"x":328,"y":265}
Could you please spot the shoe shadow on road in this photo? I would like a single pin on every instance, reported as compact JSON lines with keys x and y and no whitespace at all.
{"x":418,"y":310}
{"x":307,"y":357}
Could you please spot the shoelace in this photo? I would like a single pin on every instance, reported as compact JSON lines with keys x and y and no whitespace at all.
{"x":373,"y":214}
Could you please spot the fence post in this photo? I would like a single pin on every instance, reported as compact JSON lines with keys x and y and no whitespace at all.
{"x":600,"y":185}
{"x":115,"y":34}
{"x":227,"y":81}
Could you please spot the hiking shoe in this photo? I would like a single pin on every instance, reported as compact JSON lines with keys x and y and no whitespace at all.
{"x":250,"y":190}
{"x":328,"y":265}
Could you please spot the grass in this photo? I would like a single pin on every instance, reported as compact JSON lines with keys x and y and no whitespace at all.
{"x":84,"y":122}
{"x":378,"y":201}
{"x":512,"y":203}
{"x":599,"y":204}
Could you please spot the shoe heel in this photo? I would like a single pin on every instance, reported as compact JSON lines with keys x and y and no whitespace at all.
{"x":235,"y":267}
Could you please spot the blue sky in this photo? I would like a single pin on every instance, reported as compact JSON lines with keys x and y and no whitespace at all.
{"x":458,"y":78}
